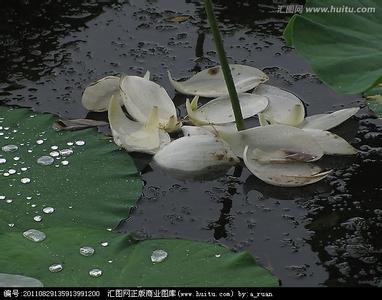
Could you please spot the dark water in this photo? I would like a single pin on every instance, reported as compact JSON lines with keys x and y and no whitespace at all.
{"x":326,"y":234}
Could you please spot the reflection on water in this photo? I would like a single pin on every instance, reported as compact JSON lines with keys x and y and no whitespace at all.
{"x":323,"y":234}
{"x":30,"y":33}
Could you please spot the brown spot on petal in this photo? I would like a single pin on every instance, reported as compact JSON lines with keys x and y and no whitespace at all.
{"x":213,"y":71}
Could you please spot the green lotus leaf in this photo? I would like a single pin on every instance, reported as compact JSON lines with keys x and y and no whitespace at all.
{"x":76,"y":195}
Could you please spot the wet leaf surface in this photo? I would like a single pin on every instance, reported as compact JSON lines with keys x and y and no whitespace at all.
{"x":237,"y":210}
{"x":63,"y":193}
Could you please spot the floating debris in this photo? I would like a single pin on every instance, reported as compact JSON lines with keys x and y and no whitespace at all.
{"x":95,"y":272}
{"x":158,"y":256}
{"x":45,"y":160}
{"x":55,"y":268}
{"x":87,"y":251}
{"x":34,"y":235}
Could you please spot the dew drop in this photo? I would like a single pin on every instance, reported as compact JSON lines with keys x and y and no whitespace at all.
{"x":37,"y":218}
{"x":64,"y":162}
{"x":104,"y":244}
{"x":12,"y":171}
{"x":158,"y":256}
{"x":69,"y":143}
{"x":2,"y":161}
{"x":66,"y":152}
{"x":45,"y":160}
{"x":54,"y":147}
{"x":48,"y":210}
{"x":6,"y":174}
{"x":11,"y":225}
{"x":9,"y":201}
{"x":9,"y":148}
{"x":56,"y":268}
{"x":87,"y":251}
{"x":25,"y":180}
{"x":2,"y":197}
{"x":95,"y":272}
{"x":54,"y":153}
{"x":80,"y":143}
{"x":16,"y":158}
{"x":39,"y":142}
{"x":34,"y":235}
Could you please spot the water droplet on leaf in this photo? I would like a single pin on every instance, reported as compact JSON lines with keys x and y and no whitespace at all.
{"x":158,"y":256}
{"x":34,"y":235}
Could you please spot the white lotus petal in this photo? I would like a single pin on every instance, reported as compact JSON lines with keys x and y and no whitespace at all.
{"x":147,"y":75}
{"x":210,"y":82}
{"x":285,"y":142}
{"x":291,"y":174}
{"x":140,"y":95}
{"x":219,"y":110}
{"x":195,"y":156}
{"x":331,"y":143}
{"x":97,"y":95}
{"x":284,"y":107}
{"x":195,"y":130}
{"x":134,"y":136}
{"x":328,"y":121}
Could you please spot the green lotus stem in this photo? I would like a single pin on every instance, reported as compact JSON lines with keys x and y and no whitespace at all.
{"x":224,"y":65}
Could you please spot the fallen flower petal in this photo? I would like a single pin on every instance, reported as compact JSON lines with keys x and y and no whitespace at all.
{"x":329,"y":121}
{"x":211,"y":83}
{"x":290,"y":143}
{"x":139,"y":95}
{"x":219,"y":110}
{"x":284,"y":107}
{"x":135,"y":136}
{"x":97,"y":95}
{"x":331,"y":143}
{"x":195,"y":156}
{"x":291,"y":174}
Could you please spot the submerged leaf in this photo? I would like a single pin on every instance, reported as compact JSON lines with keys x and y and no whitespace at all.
{"x":76,"y":124}
{"x":291,"y":174}
{"x":284,"y":107}
{"x":140,"y":95}
{"x":219,"y":110}
{"x":211,"y":83}
{"x":196,"y":157}
{"x":97,"y":95}
{"x":329,"y":121}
